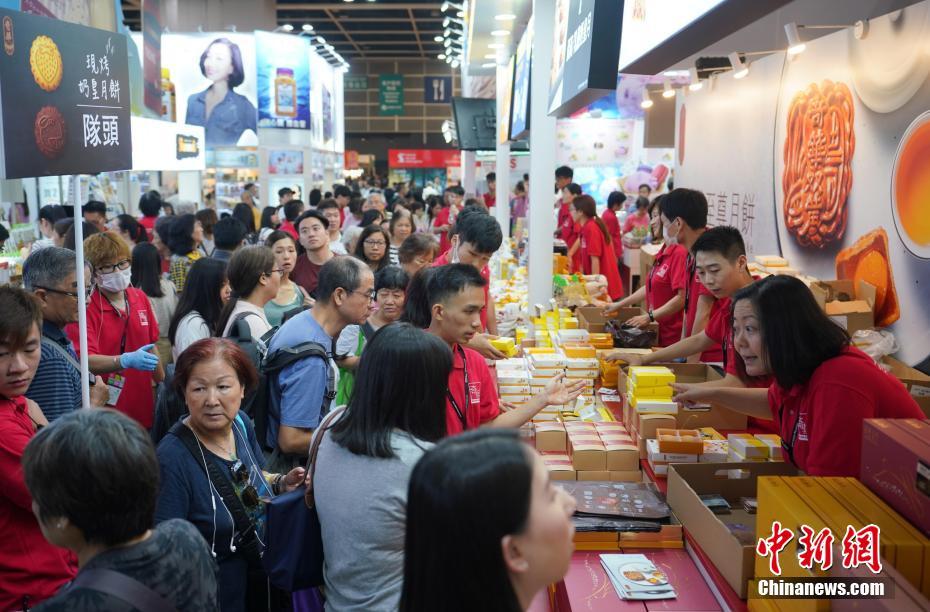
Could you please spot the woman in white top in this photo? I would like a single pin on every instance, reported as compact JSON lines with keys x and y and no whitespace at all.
{"x":255,"y":281}
{"x":198,"y":311}
{"x":401,"y":227}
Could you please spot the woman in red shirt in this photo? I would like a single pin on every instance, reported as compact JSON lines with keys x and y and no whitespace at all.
{"x":568,"y":228}
{"x":614,"y":201}
{"x":597,"y":255}
{"x":663,"y":293}
{"x":31,"y":569}
{"x":823,"y":386}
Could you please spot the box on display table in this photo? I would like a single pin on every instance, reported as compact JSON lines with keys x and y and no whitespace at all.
{"x":592,"y":319}
{"x":896,"y":466}
{"x":727,"y":540}
{"x":851,"y":305}
{"x":917,"y":383}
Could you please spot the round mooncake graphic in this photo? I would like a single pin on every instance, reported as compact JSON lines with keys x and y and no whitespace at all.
{"x":45,"y":62}
{"x":50,"y":132}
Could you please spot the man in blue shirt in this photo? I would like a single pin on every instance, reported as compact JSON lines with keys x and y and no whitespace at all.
{"x":344,"y":296}
{"x":50,"y":275}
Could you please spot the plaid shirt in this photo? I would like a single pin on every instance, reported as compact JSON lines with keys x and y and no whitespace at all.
{"x":56,"y":386}
{"x":180,"y":266}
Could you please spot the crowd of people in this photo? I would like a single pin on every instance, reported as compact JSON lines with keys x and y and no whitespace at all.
{"x":222,"y":350}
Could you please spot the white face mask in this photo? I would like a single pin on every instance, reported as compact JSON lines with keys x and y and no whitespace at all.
{"x":115,"y":281}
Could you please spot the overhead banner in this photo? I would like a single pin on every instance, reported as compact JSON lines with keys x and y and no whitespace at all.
{"x":520,"y":108}
{"x":391,"y":94}
{"x":64,"y":94}
{"x":160,"y":145}
{"x":283,"y":81}
{"x":578,"y":75}
{"x":214,"y":75}
{"x":423,"y":158}
{"x":839,"y":135}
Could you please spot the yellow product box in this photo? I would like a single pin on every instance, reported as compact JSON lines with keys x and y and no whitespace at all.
{"x":570,"y":323}
{"x":773,"y":442}
{"x":734,"y":456}
{"x":651,"y":376}
{"x":581,"y":363}
{"x":653,"y":406}
{"x":514,"y":389}
{"x":564,"y":313}
{"x":579,"y":351}
{"x":516,"y":399}
{"x":661,"y":392}
{"x":547,"y":361}
{"x":582,"y":374}
{"x":505,"y":345}
{"x":512,"y":364}
{"x":912,"y":548}
{"x":752,"y":449}
{"x":538,"y":350}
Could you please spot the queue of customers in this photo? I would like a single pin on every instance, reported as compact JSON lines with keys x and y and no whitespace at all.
{"x":178,"y":515}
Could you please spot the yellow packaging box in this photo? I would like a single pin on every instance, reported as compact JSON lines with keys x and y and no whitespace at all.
{"x":752,"y":449}
{"x":651,"y":376}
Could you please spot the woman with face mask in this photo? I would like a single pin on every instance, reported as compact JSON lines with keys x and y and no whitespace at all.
{"x":122,"y":329}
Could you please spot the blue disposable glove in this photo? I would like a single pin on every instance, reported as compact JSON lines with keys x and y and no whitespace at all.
{"x":140,"y":359}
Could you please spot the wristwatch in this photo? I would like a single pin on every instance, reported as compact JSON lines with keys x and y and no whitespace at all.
{"x":652,"y":317}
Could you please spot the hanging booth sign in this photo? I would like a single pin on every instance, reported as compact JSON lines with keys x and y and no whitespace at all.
{"x":64,"y":96}
{"x":283,"y":81}
{"x":232,"y":157}
{"x":437,"y":90}
{"x":423,"y":158}
{"x":351,"y":160}
{"x":355,"y":83}
{"x":391,"y":94}
{"x":160,"y":145}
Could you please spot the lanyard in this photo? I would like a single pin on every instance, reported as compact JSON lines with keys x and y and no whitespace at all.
{"x":455,"y":404}
{"x":788,"y":445}
{"x":692,"y":267}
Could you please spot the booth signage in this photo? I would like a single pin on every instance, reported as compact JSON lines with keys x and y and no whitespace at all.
{"x":283,"y":83}
{"x":423,"y":158}
{"x":232,"y":157}
{"x":185,"y":146}
{"x":64,"y":98}
{"x":355,"y":83}
{"x":391,"y":94}
{"x":520,"y":103}
{"x":437,"y":90}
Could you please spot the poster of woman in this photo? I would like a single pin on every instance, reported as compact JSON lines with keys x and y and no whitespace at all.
{"x":214,"y":76}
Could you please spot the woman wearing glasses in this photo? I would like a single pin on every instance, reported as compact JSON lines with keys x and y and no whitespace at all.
{"x":212,"y":470}
{"x":824,"y":387}
{"x":255,"y":281}
{"x":121,"y":330}
{"x":372,"y":247}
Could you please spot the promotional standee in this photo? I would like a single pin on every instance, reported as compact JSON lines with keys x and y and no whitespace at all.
{"x":64,"y":97}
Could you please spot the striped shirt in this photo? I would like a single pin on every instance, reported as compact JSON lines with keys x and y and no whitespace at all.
{"x":56,"y":387}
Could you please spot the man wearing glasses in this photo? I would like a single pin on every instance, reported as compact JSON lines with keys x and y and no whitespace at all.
{"x":51,"y":276}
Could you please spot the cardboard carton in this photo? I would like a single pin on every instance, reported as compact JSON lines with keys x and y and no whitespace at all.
{"x":626,"y":476}
{"x":896,"y":466}
{"x":686,"y":482}
{"x":551,"y":436}
{"x":851,"y":305}
{"x":917,"y":383}
{"x":593,"y":475}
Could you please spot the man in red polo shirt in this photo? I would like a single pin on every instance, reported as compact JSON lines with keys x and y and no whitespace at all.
{"x":456,"y":297}
{"x":445,"y":218}
{"x":291,"y":212}
{"x":684,"y":219}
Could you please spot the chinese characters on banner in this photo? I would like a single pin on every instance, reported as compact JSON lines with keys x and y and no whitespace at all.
{"x":815,"y":548}
{"x":63,"y":97}
{"x":735,"y":209}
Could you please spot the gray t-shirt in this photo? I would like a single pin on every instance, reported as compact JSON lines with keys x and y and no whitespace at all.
{"x":362,"y":505}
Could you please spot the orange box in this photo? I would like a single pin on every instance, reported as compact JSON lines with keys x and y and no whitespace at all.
{"x":579,"y":351}
{"x":680,"y":441}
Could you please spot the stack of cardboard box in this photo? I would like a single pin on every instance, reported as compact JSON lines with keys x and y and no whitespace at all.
{"x":588,"y":451}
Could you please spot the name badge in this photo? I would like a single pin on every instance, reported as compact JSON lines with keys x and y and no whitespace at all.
{"x":474,"y":392}
{"x":115,"y":387}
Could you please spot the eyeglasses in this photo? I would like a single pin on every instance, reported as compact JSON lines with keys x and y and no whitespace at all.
{"x":371,"y":294}
{"x":376,"y":243}
{"x":120,"y":265}
{"x":87,"y":291}
{"x":249,"y":494}
{"x":278,"y":270}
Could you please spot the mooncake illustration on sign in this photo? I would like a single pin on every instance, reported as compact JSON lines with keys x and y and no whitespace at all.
{"x":868,"y":260}
{"x":45,"y":63}
{"x":910,"y":189}
{"x":49,"y":131}
{"x":818,"y":153}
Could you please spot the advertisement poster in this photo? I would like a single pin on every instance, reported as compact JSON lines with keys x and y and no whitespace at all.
{"x":64,"y":97}
{"x":214,"y":76}
{"x":391,"y":94}
{"x":283,"y":81}
{"x":520,"y":109}
{"x":849,"y":168}
{"x":503,"y":105}
{"x":327,"y":101}
{"x":285,"y":162}
{"x":151,"y":55}
{"x":159,"y":146}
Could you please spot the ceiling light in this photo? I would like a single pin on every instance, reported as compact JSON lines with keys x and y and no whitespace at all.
{"x":449,"y":20}
{"x":500,"y":33}
{"x":348,"y":0}
{"x":437,"y":38}
{"x":496,"y":46}
{"x":450,"y":5}
{"x":795,"y":45}
{"x":740,"y":69}
{"x":284,"y":28}
{"x":320,"y":39}
{"x":455,"y":63}
{"x":306,"y":27}
{"x":441,"y":56}
{"x":448,"y":59}
{"x":667,"y":91}
{"x":489,"y":65}
{"x":505,"y":17}
{"x":696,"y":83}
{"x":491,"y":56}
{"x":647,"y":101}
